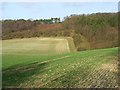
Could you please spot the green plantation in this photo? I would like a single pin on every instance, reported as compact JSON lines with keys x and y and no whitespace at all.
{"x":54,"y":62}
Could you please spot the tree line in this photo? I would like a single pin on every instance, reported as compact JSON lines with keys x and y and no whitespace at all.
{"x":99,"y":30}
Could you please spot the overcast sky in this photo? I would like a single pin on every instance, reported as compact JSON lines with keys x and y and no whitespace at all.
{"x":38,"y":10}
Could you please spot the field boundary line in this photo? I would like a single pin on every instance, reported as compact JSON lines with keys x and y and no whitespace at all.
{"x":54,"y":59}
{"x":68,"y":46}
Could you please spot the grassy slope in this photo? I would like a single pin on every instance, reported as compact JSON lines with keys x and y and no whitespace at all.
{"x":94,"y":68}
{"x":30,"y":50}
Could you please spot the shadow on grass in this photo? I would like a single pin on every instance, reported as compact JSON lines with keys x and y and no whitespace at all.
{"x":13,"y":77}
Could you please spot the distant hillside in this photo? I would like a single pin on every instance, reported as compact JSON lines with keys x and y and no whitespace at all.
{"x":93,"y":31}
{"x":88,"y":31}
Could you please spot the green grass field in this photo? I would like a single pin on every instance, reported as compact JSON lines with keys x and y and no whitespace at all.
{"x":27,"y":48}
{"x":49,"y":62}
